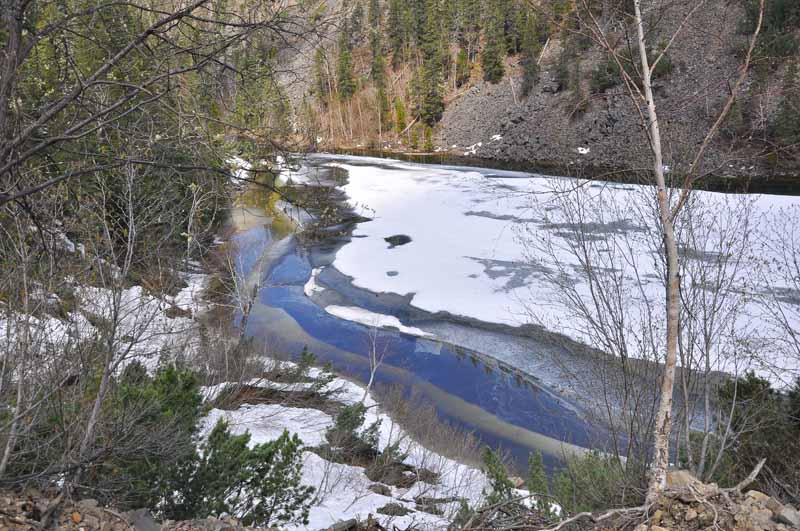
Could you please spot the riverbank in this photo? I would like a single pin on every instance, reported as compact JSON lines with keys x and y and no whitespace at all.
{"x":781,"y":182}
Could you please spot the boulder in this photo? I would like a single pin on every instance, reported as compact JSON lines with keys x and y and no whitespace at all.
{"x":681,"y":479}
{"x":345,"y":525}
{"x":142,"y":520}
{"x":381,"y":489}
{"x":397,"y":240}
{"x":789,"y":516}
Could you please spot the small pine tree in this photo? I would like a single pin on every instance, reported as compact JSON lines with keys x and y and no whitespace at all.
{"x":499,"y":483}
{"x":580,"y":103}
{"x":384,"y":109}
{"x":259,"y":484}
{"x":564,"y":491}
{"x":273,"y":489}
{"x":463,"y":516}
{"x":565,"y":58}
{"x":414,"y":138}
{"x":428,"y":134}
{"x":345,"y":81}
{"x":531,"y":48}
{"x":400,"y":116}
{"x":397,"y":30}
{"x":321,"y":76}
{"x":462,"y":67}
{"x":537,"y":481}
{"x":495,"y":47}
{"x":374,"y":14}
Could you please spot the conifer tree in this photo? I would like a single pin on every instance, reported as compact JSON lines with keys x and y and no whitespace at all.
{"x":321,"y":75}
{"x":515,"y":15}
{"x":462,"y":67}
{"x":379,"y":78}
{"x":787,"y":121}
{"x":375,"y":43}
{"x":500,"y":485}
{"x":431,"y":105}
{"x":469,"y":16}
{"x":494,"y":50}
{"x":378,"y":70}
{"x":531,"y":48}
{"x":419,"y":9}
{"x":345,"y":82}
{"x":537,"y":481}
{"x":394,"y":29}
{"x":428,"y":136}
{"x":384,"y":110}
{"x":400,"y":116}
{"x":374,"y":14}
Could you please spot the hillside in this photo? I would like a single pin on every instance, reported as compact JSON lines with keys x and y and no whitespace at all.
{"x":577,"y":115}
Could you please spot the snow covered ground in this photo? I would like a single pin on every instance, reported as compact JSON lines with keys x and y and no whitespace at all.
{"x":500,"y":247}
{"x":147,"y":326}
{"x":343,"y":490}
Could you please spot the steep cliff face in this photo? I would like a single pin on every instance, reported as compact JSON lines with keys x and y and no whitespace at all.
{"x":581,"y":128}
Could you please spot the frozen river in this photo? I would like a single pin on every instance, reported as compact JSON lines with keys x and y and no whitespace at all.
{"x":467,"y":274}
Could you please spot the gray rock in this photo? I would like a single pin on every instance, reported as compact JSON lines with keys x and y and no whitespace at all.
{"x":142,"y":520}
{"x":343,"y":526}
{"x":397,"y":240}
{"x":381,"y":489}
{"x":789,"y":516}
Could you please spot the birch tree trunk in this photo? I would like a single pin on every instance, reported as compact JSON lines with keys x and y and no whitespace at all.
{"x":663,"y":425}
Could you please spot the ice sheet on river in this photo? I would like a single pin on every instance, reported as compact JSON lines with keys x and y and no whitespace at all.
{"x":488,"y":245}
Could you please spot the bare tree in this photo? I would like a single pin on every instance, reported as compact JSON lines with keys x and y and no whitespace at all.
{"x":377,"y":348}
{"x":640,"y":27}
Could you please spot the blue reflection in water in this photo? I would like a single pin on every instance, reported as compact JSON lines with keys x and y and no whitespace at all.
{"x":438,"y":364}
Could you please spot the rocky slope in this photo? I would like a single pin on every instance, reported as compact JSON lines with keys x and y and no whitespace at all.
{"x":494,"y":122}
{"x":545,"y":126}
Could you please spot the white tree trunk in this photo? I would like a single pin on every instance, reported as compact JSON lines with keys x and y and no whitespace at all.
{"x":663,"y":425}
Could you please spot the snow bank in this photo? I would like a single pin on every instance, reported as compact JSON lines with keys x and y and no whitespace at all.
{"x":266,"y":422}
{"x":147,"y":326}
{"x":342,"y":491}
{"x":372,"y":319}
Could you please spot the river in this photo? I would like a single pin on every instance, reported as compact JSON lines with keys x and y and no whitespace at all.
{"x":454,"y":318}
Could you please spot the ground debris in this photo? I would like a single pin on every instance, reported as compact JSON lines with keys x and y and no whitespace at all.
{"x":691,"y":505}
{"x":25,"y":511}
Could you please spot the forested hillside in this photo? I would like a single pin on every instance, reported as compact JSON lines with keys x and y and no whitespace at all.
{"x":530,"y":80}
